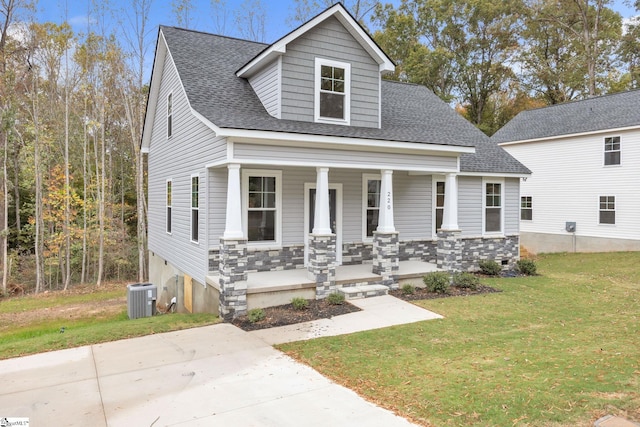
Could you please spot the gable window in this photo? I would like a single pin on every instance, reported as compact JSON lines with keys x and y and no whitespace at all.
{"x":169,"y":115}
{"x":371,"y":204}
{"x":168,"y":206}
{"x":439,"y":205}
{"x":332,"y":91}
{"x":612,"y":150}
{"x":262,"y":195}
{"x":607,"y":209}
{"x":195,"y":206}
{"x":526,"y":208}
{"x":493,"y":207}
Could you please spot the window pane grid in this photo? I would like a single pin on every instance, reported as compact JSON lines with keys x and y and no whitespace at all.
{"x":373,"y":205}
{"x":440,"y":188}
{"x":607,"y":210}
{"x":526,"y":208}
{"x":612,"y":150}
{"x":261,"y":216}
{"x":493,"y":207}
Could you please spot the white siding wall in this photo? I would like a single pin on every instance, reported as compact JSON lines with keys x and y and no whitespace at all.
{"x":190,"y":148}
{"x":266,"y":84}
{"x":568,"y":177}
{"x":329,"y":40}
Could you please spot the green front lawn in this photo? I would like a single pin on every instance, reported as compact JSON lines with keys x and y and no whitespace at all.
{"x":560,"y":349}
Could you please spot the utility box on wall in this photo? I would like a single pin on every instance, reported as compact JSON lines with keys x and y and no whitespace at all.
{"x":570,"y":226}
{"x":141,"y":300}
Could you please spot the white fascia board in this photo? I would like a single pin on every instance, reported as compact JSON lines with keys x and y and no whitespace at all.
{"x":570,"y":135}
{"x":154,"y":91}
{"x":337,"y":10}
{"x":331,"y":165}
{"x":283,"y":138}
{"x":496,"y":174}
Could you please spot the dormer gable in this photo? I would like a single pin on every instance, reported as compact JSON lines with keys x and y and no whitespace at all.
{"x":326,"y":71}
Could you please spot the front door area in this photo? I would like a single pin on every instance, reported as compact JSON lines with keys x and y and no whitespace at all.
{"x":335,"y":219}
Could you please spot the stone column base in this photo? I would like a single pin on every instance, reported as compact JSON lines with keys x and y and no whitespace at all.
{"x":449,"y":251}
{"x":322,"y":263}
{"x":386,"y":251}
{"x":233,"y":278}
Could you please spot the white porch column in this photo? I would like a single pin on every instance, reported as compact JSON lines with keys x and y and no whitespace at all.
{"x":233,"y":223}
{"x":321,"y":218}
{"x":385,"y":214}
{"x":450,"y":212}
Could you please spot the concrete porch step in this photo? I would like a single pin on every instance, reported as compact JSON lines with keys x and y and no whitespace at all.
{"x":363,"y":291}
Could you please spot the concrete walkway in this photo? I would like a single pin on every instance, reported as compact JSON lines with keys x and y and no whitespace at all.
{"x":214,"y":375}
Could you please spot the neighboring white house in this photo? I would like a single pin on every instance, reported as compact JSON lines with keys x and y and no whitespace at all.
{"x":584,"y":191}
{"x":298,"y":156}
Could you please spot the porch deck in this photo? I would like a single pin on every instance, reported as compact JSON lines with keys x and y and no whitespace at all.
{"x":267,"y":288}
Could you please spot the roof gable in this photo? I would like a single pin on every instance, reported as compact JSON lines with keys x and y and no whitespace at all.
{"x":615,"y":111}
{"x":348,"y":21}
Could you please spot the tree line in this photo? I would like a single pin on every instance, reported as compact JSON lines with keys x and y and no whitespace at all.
{"x":72,"y":104}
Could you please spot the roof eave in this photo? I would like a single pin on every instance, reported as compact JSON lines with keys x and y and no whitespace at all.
{"x":570,"y":135}
{"x":154,"y":91}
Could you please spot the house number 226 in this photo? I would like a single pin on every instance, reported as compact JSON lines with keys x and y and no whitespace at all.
{"x":389,"y":200}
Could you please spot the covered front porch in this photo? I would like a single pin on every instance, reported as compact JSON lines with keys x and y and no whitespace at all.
{"x":315,"y":269}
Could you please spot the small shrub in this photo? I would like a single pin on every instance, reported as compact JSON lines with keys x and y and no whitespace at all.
{"x":300,"y":303}
{"x":437,"y":281}
{"x":466,"y":281}
{"x":527,"y":267}
{"x":335,"y":298}
{"x":489,"y":267}
{"x":255,"y":315}
{"x":408,"y":289}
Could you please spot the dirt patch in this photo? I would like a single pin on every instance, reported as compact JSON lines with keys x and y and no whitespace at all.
{"x":423,"y":293}
{"x":283,"y":315}
{"x":102,"y":308}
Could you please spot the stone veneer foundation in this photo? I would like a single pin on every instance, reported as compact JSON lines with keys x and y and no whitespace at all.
{"x":385,"y":258}
{"x":500,"y":249}
{"x":233,"y":278}
{"x":322,"y":263}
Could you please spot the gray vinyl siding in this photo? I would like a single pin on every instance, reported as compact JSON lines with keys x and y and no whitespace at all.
{"x":243,"y":151}
{"x":329,"y":40}
{"x":217,"y":204}
{"x":470,"y":205}
{"x":266,"y":85}
{"x":189,"y":149}
{"x":412,"y":205}
{"x":512,"y":206}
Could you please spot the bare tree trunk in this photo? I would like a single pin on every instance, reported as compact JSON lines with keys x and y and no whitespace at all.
{"x":5,"y":220}
{"x":39,"y":224}
{"x":67,"y":184}
{"x":85,"y":176}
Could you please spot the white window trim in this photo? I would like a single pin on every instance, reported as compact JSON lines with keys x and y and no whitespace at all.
{"x":246,"y":173}
{"x":167,"y":206}
{"x":319,"y":62}
{"x":531,"y":197}
{"x":615,"y":210}
{"x":366,"y":177}
{"x":191,"y":208}
{"x":604,"y":151}
{"x":434,"y":200}
{"x":169,"y":114}
{"x":486,"y":181}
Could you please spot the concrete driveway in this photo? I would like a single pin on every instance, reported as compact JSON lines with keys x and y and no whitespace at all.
{"x":216,"y":375}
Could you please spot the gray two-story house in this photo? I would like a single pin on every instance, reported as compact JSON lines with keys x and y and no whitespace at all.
{"x":295,"y":169}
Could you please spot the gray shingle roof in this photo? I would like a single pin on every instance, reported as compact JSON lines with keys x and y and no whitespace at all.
{"x":207,"y":64}
{"x":604,"y":112}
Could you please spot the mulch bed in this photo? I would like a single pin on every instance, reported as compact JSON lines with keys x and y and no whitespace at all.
{"x":423,"y":293}
{"x":283,"y":315}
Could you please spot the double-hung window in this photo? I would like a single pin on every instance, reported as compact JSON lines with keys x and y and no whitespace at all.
{"x":492,"y":207}
{"x":371,"y":204}
{"x":262,"y":193}
{"x":612,"y":151}
{"x":168,"y":206}
{"x":332,"y":91}
{"x":169,"y":115}
{"x":526,"y":208}
{"x":607,"y":209}
{"x":195,"y":206}
{"x":439,"y":199}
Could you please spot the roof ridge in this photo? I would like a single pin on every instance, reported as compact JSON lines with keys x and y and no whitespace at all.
{"x":189,"y":30}
{"x":577,"y":101}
